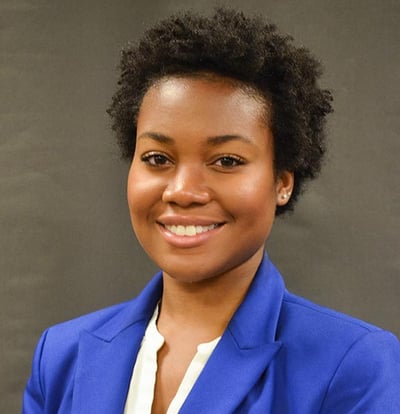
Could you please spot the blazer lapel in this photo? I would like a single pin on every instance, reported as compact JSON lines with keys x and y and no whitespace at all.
{"x":106,"y":356}
{"x":228,"y":377}
{"x":103,"y":371}
{"x":245,"y":350}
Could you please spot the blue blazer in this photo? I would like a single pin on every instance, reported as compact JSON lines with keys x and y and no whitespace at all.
{"x":279,"y":354}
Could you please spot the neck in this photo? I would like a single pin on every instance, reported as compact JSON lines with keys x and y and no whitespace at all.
{"x":204,"y":308}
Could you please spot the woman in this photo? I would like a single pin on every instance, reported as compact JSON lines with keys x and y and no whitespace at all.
{"x":223,"y":121}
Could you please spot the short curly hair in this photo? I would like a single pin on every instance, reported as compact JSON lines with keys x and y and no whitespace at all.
{"x":246,"y":49}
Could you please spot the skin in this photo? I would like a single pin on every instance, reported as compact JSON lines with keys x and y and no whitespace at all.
{"x":204,"y":157}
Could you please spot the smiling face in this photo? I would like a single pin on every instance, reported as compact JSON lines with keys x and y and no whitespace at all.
{"x":202,"y":191}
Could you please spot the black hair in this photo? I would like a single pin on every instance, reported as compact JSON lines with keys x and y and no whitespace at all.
{"x":246,"y":49}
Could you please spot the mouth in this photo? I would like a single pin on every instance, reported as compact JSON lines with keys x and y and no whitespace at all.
{"x":190,"y":230}
{"x":185,"y":232}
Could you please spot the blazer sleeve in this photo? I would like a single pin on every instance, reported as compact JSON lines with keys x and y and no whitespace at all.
{"x":367,"y":380}
{"x":33,"y":399}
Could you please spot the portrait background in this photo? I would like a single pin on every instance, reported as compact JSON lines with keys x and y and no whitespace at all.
{"x":66,"y":244}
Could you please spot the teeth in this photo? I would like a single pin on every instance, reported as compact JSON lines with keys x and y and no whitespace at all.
{"x":189,"y":230}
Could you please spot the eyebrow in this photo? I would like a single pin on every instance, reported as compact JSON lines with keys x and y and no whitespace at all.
{"x":161,"y":138}
{"x":214,"y":141}
{"x":221,"y":139}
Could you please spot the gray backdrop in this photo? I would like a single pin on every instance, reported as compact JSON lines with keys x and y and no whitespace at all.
{"x":65,"y":241}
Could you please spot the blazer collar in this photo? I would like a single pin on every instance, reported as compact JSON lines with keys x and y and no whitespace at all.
{"x":255,"y":321}
{"x":245,"y":350}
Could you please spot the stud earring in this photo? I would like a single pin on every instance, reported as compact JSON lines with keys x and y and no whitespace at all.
{"x":285,"y":196}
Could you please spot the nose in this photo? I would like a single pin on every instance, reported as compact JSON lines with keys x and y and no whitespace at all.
{"x":187,"y":187}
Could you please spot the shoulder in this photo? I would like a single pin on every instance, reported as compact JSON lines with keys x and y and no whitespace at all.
{"x":297,"y":310}
{"x":59,"y":343}
{"x":89,"y":322}
{"x":308,"y":324}
{"x":357,"y":362}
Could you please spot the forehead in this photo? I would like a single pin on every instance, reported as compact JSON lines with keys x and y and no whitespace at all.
{"x":205,"y":95}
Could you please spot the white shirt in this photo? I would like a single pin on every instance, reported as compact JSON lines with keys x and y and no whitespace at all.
{"x":141,"y":389}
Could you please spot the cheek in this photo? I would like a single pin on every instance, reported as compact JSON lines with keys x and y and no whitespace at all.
{"x":257,"y":194}
{"x":138,"y":193}
{"x":144,"y":193}
{"x":139,"y":203}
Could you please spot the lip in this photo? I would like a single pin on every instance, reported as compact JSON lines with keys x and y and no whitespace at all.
{"x":183,"y":241}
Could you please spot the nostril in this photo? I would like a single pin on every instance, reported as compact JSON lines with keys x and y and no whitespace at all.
{"x":186,"y":196}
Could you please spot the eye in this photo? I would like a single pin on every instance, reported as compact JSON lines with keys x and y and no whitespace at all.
{"x":229,"y":161}
{"x":155,"y":159}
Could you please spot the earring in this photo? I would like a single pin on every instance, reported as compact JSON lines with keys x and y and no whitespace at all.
{"x":285,"y":196}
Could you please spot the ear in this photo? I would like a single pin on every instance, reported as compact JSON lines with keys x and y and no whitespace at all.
{"x":284,"y":187}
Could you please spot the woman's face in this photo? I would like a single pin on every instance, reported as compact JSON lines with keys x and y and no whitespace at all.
{"x":201,"y":188}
